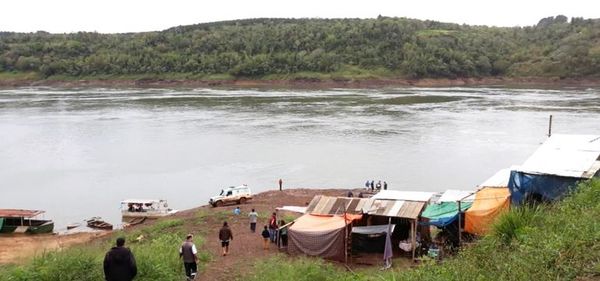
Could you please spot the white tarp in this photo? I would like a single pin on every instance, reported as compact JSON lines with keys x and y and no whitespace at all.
{"x":500,"y":178}
{"x":453,"y":195}
{"x":295,"y":209}
{"x":403,"y":195}
{"x":372,"y":229}
{"x":564,"y":155}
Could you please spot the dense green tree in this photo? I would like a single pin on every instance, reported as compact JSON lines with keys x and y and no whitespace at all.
{"x":258,"y":47}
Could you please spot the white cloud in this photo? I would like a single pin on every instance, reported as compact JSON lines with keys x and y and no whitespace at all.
{"x":135,"y":15}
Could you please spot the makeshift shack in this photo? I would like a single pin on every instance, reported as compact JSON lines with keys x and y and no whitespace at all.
{"x":324,"y":230}
{"x":555,"y":168}
{"x":401,"y":208}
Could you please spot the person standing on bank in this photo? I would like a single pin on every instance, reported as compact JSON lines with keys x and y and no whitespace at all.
{"x":225,"y":235}
{"x":119,"y":263}
{"x":273,"y":227}
{"x":253,"y":218}
{"x":384,"y":185}
{"x":280,"y":184}
{"x":372,"y":185}
{"x":189,"y":254}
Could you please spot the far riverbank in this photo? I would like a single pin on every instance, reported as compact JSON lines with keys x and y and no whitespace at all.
{"x":299,"y":83}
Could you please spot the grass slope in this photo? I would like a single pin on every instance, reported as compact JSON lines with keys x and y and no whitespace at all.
{"x":552,"y":242}
{"x":156,"y":255}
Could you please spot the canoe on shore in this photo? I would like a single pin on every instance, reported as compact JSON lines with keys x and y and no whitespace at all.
{"x":98,"y":223}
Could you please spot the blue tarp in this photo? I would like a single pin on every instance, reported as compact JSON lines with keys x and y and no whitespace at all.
{"x":545,"y":187}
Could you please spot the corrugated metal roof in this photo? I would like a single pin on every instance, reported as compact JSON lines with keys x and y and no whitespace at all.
{"x":326,"y":205}
{"x":15,"y":213}
{"x":396,"y":208}
{"x":565,"y":155}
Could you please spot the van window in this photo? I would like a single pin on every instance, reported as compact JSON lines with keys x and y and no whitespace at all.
{"x":229,"y":193}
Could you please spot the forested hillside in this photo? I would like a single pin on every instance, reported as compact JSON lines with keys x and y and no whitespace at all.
{"x":254,"y":48}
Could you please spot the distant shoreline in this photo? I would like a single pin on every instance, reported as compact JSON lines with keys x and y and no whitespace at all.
{"x":526,"y":82}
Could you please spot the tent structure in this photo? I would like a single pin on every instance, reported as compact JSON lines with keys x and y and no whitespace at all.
{"x":444,"y":213}
{"x":445,"y":210}
{"x":555,"y":168}
{"x":323,"y":236}
{"x":370,"y":239}
{"x":406,"y":205}
{"x":489,"y":203}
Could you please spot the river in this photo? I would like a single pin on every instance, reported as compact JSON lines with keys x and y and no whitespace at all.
{"x":76,"y":153}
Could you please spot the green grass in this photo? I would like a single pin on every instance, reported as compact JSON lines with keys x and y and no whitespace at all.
{"x":553,"y":242}
{"x":156,"y":255}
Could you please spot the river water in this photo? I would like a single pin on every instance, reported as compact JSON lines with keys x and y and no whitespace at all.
{"x":76,"y":153}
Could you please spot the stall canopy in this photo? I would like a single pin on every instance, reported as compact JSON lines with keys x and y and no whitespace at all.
{"x":327,"y":205}
{"x":293,"y":209}
{"x":489,"y":203}
{"x":373,"y":229}
{"x":321,"y":236}
{"x":444,"y":213}
{"x":556,"y":167}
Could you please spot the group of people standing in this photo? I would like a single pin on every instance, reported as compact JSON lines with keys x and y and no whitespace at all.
{"x":371,"y":185}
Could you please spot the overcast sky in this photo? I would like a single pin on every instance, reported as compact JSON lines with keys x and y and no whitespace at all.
{"x":109,"y":16}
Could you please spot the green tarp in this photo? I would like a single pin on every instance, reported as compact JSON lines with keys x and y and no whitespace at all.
{"x":1,"y":222}
{"x":444,"y":213}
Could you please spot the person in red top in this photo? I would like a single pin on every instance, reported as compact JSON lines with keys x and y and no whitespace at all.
{"x":273,"y":227}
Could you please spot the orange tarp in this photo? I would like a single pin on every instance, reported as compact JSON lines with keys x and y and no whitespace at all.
{"x":489,"y":203}
{"x":322,"y":223}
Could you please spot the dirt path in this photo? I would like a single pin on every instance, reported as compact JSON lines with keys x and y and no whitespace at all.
{"x":246,"y":247}
{"x":17,"y":248}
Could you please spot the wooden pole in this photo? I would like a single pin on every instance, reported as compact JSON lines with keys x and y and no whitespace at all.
{"x":550,"y":126}
{"x":345,"y":237}
{"x":459,"y":225}
{"x":413,"y":238}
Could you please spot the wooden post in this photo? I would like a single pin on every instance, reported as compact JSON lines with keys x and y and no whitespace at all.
{"x":550,"y":126}
{"x":459,"y":225}
{"x":345,"y":237}
{"x":413,"y":238}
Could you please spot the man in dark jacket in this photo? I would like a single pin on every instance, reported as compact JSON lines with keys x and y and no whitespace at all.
{"x":225,"y":235}
{"x":119,"y":263}
{"x":188,"y":253}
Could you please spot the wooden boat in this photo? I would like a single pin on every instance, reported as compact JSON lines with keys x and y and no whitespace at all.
{"x":73,"y":225}
{"x":133,"y":221}
{"x":23,"y":221}
{"x":98,"y":223}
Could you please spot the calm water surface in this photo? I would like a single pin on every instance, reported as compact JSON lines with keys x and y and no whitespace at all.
{"x":77,"y":153}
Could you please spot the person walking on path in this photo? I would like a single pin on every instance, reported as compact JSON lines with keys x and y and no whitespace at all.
{"x":225,"y":235}
{"x":119,"y":263}
{"x":253,"y":216}
{"x":384,"y":185}
{"x":273,"y":227}
{"x":280,"y":184}
{"x":237,"y":211}
{"x":189,"y":254}
{"x":265,"y":235}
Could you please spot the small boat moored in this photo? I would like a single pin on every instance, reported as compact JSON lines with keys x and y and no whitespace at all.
{"x":24,"y":221}
{"x":98,"y":223}
{"x":145,"y":208}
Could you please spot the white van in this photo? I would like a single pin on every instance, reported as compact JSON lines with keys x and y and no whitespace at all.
{"x":231,"y":195}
